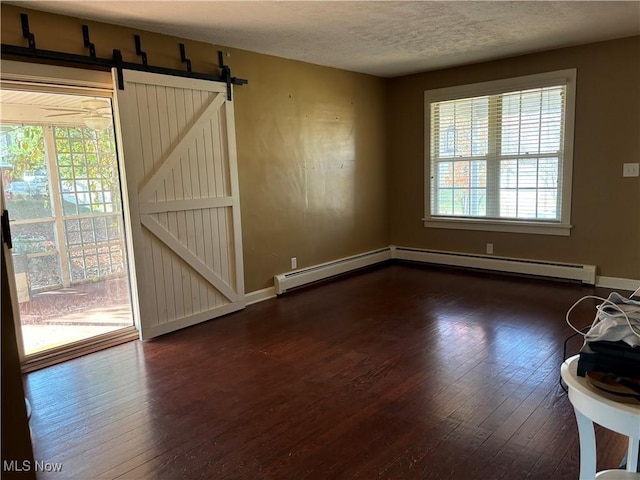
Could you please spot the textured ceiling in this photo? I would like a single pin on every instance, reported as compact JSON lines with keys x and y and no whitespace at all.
{"x":376,"y":37}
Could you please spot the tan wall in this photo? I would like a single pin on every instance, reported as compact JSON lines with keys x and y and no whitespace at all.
{"x":315,"y":146}
{"x":605,"y":206}
{"x":311,"y":143}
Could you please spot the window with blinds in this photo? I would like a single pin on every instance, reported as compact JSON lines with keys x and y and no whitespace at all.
{"x":499,"y":153}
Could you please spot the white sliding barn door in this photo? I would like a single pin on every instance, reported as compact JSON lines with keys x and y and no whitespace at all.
{"x":178,"y":142}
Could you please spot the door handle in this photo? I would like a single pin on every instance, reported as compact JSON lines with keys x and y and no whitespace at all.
{"x":6,"y":229}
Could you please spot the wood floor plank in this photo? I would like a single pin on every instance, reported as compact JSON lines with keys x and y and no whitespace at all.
{"x":397,"y":372}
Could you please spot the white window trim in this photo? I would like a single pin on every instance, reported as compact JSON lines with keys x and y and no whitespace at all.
{"x":35,"y":77}
{"x":566,"y":77}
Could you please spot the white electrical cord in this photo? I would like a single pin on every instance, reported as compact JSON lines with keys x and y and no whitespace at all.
{"x":599,"y":312}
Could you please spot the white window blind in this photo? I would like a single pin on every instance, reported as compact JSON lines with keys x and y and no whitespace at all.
{"x":501,"y":156}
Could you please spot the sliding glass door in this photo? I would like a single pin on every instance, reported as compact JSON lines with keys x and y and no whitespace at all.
{"x":62,"y":190}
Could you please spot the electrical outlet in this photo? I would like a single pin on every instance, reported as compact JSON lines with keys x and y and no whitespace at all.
{"x":490,"y":248}
{"x":294,"y":263}
{"x":631,"y":170}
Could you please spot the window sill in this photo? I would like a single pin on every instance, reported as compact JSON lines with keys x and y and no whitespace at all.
{"x":532,"y":228}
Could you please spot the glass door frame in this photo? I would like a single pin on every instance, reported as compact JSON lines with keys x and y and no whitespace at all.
{"x":13,"y":294}
{"x":52,"y":79}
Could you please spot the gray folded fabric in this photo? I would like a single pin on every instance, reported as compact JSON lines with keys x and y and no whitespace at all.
{"x":613,"y":326}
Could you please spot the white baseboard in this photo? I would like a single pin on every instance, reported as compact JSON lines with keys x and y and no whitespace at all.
{"x":618,"y":283}
{"x":260,"y":295}
{"x":567,"y":271}
{"x":561,"y":270}
{"x":307,"y":275}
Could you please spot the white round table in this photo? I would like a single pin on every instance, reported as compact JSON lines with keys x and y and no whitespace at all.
{"x":590,"y":407}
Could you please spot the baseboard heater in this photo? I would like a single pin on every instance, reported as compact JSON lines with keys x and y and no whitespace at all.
{"x":568,"y":271}
{"x":303,"y":276}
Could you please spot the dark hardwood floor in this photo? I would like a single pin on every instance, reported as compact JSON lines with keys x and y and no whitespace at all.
{"x":400,"y":372}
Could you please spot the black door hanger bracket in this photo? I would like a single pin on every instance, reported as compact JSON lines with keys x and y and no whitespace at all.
{"x":31,"y":51}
